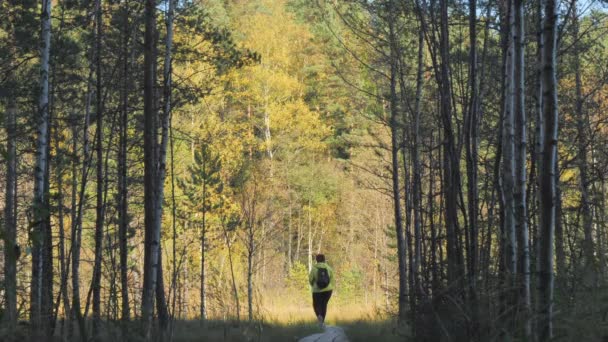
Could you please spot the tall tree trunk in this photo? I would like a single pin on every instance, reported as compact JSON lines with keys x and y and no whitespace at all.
{"x":77,"y":211}
{"x":417,"y":171}
{"x":508,"y":163}
{"x":435,"y":272}
{"x":161,"y":300}
{"x":123,"y":212}
{"x":250,"y":255}
{"x":99,"y":221}
{"x":235,"y":290}
{"x":401,"y":257}
{"x":63,"y":264}
{"x":590,"y":270}
{"x":152,"y":234}
{"x":548,"y":178}
{"x":451,"y":168}
{"x":163,"y":315}
{"x":471,"y":142}
{"x":538,"y":128}
{"x":47,"y":250}
{"x":11,"y":248}
{"x":203,"y":250}
{"x":520,"y":142}
{"x":41,"y":293}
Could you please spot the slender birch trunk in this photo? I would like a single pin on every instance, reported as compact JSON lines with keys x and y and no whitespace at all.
{"x":40,"y":305}
{"x":162,"y":158}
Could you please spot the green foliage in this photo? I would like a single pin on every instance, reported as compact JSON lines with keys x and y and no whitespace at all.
{"x":297,"y":283}
{"x":350,"y":284}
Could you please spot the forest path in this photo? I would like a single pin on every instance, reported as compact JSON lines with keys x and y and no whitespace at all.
{"x":330,"y":334}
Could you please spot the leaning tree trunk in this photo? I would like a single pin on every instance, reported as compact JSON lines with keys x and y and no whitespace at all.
{"x":40,"y":305}
{"x":548,"y":178}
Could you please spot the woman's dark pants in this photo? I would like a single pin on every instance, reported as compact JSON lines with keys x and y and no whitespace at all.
{"x":319,"y":303}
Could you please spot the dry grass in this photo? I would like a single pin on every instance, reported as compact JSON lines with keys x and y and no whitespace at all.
{"x":276,"y":320}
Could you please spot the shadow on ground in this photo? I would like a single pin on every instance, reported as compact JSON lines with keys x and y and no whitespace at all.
{"x":257,"y":331}
{"x":260,"y":331}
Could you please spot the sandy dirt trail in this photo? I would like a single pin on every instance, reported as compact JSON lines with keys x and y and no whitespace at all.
{"x":330,"y":334}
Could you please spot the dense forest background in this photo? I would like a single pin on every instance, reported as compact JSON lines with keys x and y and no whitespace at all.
{"x":184,"y":160}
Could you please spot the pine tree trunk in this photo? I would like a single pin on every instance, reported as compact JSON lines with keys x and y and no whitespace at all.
{"x":152,"y":238}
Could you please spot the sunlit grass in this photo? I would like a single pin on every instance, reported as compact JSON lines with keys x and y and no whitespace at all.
{"x":291,"y":331}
